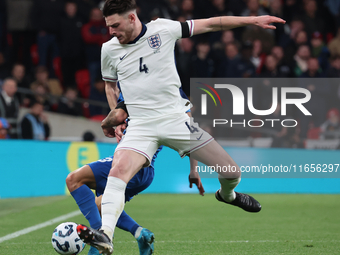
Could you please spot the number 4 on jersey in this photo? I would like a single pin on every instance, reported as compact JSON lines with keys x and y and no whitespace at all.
{"x":143,"y":68}
{"x":192,"y":129}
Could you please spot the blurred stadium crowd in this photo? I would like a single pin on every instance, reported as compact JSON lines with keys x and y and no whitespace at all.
{"x":50,"y":52}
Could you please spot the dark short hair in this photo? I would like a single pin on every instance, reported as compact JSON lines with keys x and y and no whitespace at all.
{"x":118,"y":7}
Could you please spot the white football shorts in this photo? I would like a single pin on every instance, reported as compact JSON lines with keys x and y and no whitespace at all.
{"x":178,"y":132}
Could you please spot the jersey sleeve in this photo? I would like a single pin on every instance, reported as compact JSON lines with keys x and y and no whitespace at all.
{"x":108,"y":71}
{"x":177,"y":29}
{"x":187,"y":28}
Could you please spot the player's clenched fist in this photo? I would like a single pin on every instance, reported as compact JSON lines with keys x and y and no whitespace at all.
{"x":109,"y":131}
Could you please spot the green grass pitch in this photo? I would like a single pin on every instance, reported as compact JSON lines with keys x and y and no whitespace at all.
{"x":190,"y":224}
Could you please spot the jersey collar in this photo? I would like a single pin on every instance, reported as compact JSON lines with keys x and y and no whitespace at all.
{"x":140,"y":35}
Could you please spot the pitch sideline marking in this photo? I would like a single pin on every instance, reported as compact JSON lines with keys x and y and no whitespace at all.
{"x":231,"y":241}
{"x":39,"y":226}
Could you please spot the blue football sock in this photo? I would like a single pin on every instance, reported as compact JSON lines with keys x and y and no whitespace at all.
{"x":86,"y":202}
{"x":126,"y":223}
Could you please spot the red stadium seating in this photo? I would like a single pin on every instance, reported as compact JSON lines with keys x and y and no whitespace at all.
{"x":34,"y":54}
{"x":314,"y":133}
{"x":83,"y":82}
{"x":57,"y":68}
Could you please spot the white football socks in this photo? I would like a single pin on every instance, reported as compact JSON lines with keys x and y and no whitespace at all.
{"x":112,"y":204}
{"x":227,"y":188}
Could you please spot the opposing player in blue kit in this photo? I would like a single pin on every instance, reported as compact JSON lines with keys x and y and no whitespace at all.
{"x":94,"y":176}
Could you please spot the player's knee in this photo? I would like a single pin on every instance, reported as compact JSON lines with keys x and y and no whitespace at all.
{"x":120,"y":171}
{"x":71,"y":182}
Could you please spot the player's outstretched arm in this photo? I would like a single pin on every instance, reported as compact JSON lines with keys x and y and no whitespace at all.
{"x":229,"y":22}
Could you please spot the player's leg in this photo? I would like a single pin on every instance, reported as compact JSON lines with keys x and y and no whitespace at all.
{"x":125,"y":165}
{"x":134,"y":151}
{"x":229,"y":175}
{"x":79,"y":183}
{"x":214,"y":155}
{"x":144,"y":237}
{"x":138,"y":183}
{"x":189,"y":139}
{"x":125,"y":222}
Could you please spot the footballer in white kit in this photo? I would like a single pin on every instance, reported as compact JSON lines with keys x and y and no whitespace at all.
{"x":151,"y":89}
{"x":141,"y":58}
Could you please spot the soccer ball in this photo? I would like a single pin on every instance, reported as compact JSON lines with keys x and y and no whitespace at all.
{"x":65,"y":239}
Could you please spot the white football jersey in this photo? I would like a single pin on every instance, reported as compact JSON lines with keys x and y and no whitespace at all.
{"x":146,"y":70}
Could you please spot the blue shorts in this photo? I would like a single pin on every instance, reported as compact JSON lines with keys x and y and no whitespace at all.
{"x":137,"y":184}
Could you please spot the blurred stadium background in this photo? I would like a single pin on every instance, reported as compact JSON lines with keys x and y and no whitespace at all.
{"x":50,"y":54}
